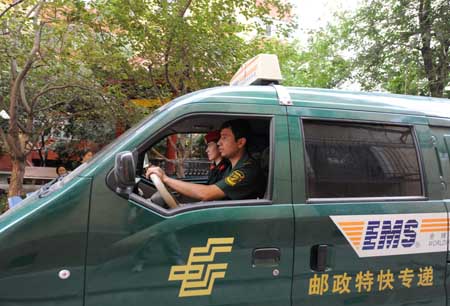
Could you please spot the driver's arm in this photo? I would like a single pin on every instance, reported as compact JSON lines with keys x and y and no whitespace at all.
{"x":195,"y":191}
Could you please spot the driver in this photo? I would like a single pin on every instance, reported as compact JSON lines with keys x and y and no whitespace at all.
{"x":242,"y":179}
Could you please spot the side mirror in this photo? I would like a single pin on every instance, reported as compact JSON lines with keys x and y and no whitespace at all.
{"x":125,"y":172}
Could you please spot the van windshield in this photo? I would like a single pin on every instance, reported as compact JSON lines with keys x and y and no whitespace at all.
{"x":106,"y":148}
{"x":99,"y":155}
{"x":58,"y":183}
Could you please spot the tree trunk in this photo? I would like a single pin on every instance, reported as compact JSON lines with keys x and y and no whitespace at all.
{"x":436,"y":69}
{"x":426,"y":51}
{"x":17,"y":174}
{"x":436,"y":88}
{"x":17,"y":143}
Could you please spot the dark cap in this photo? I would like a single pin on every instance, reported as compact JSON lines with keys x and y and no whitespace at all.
{"x":212,"y":136}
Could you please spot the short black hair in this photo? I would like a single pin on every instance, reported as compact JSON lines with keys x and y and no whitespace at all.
{"x":240,"y":128}
{"x":84,"y":152}
{"x":57,"y":168}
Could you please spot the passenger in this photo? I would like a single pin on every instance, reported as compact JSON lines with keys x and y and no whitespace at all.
{"x":219,"y":165}
{"x":243,"y":180}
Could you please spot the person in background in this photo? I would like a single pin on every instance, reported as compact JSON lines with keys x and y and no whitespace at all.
{"x":219,"y":165}
{"x":87,"y":156}
{"x":61,"y":171}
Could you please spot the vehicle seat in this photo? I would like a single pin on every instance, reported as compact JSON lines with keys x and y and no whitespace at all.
{"x":263,"y":159}
{"x":264,"y":162}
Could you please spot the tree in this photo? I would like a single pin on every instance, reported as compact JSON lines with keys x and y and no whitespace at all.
{"x":402,"y":45}
{"x":72,"y":60}
{"x":317,"y":64}
{"x":186,"y":45}
{"x":90,"y":132}
{"x":46,"y":73}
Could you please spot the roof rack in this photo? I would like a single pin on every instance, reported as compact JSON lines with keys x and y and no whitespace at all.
{"x":284,"y":98}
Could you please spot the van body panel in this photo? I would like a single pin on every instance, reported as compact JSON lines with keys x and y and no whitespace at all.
{"x":430,"y":164}
{"x":370,"y":102}
{"x":352,"y":115}
{"x":443,"y":122}
{"x":133,"y":266}
{"x":441,"y":144}
{"x":314,"y":227}
{"x":441,"y":138}
{"x":39,"y":238}
{"x":239,"y":95}
{"x":134,"y":248}
{"x":314,"y":219}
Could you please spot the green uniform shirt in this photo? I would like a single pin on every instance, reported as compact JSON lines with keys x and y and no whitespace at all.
{"x":244,"y":181}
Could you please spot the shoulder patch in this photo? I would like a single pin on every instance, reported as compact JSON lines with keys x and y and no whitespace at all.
{"x":235,"y":177}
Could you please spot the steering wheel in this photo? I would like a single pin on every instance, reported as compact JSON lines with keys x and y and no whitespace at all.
{"x":165,"y":194}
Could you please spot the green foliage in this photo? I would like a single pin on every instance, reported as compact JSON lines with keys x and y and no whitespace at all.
{"x":182,"y":46}
{"x":318,"y":64}
{"x":402,"y":46}
{"x":73,"y":71}
{"x":87,"y":131}
{"x":93,"y":56}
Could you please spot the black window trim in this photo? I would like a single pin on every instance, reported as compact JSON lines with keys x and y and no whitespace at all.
{"x":422,"y":197}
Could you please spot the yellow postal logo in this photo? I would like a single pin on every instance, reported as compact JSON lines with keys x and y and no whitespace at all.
{"x":235,"y":177}
{"x":199,"y":274}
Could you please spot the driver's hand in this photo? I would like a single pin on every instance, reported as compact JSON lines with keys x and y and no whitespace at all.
{"x":158,"y":171}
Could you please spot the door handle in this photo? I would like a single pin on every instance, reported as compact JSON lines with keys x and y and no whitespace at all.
{"x":266,"y":257}
{"x":319,"y":257}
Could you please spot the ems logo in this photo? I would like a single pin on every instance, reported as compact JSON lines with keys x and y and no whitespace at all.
{"x":384,"y":235}
{"x":199,"y":274}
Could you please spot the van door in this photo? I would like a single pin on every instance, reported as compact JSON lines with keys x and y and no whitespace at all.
{"x":224,"y":252}
{"x":440,"y":130}
{"x":440,"y":141}
{"x":43,"y":247}
{"x":368,"y":228}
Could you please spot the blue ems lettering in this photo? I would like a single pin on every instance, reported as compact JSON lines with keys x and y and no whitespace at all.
{"x":409,"y":233}
{"x":390,"y":234}
{"x":394,"y":234}
{"x":371,"y":235}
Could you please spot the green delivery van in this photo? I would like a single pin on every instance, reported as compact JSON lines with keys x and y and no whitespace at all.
{"x":355,"y":210}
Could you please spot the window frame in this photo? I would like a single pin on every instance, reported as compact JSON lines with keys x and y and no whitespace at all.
{"x":309,"y":200}
{"x":162,"y":132}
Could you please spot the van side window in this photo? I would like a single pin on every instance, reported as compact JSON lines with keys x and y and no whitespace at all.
{"x":182,"y":151}
{"x":346,"y":160}
{"x":180,"y":155}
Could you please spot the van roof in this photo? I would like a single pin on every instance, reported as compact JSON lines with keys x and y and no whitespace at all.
{"x":331,"y":99}
{"x":370,"y":101}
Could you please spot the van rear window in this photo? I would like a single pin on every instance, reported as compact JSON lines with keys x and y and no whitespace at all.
{"x":346,"y":160}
